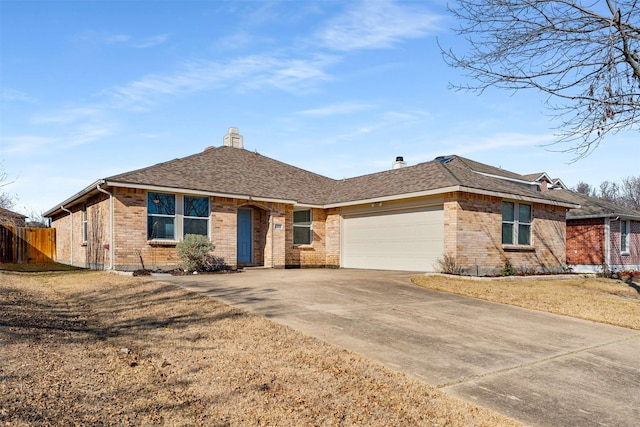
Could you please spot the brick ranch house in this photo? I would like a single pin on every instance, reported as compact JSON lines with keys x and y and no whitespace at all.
{"x":261,"y":212}
{"x":601,"y":233}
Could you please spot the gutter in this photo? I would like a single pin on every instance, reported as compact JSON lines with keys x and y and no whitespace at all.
{"x":110,"y":224}
{"x":609,"y":216}
{"x":71,"y":228}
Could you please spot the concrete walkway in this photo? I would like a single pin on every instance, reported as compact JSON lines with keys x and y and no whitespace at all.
{"x":538,"y":368}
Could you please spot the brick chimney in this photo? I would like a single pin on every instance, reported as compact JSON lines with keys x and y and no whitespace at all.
{"x":233,"y":139}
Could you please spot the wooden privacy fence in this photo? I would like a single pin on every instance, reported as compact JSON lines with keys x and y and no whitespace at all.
{"x":25,"y":245}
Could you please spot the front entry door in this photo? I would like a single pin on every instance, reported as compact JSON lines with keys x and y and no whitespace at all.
{"x":244,"y":236}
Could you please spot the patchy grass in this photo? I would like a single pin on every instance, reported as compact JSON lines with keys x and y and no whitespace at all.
{"x":602,"y":300}
{"x":90,"y":348}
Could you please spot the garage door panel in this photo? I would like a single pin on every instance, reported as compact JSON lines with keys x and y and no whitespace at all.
{"x":404,"y":240}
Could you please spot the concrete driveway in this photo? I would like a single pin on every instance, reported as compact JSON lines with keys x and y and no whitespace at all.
{"x":538,"y":368}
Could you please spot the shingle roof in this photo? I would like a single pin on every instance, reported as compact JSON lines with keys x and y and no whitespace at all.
{"x":234,"y":171}
{"x":592,"y":207}
{"x":239,"y":172}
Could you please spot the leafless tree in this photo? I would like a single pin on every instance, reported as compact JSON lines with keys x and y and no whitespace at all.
{"x":7,"y":201}
{"x":610,"y":191}
{"x":631,"y":192}
{"x":586,"y":189}
{"x":626,"y":194}
{"x":582,"y":54}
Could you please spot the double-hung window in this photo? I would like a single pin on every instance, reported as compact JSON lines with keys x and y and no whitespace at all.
{"x":85,"y":225}
{"x":624,"y":236}
{"x":161,"y":216}
{"x":302,"y":227}
{"x":516,"y":224}
{"x":195,"y":215}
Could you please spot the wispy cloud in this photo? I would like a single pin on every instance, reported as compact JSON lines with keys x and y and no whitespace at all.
{"x":29,"y":144}
{"x":151,"y":41}
{"x":251,"y":72}
{"x":337,"y":109}
{"x":377,"y":24}
{"x":8,"y":94}
{"x":106,"y":38}
{"x":67,"y":116}
{"x":26,"y":144}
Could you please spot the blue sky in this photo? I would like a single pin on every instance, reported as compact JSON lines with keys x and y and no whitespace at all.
{"x":94,"y":88}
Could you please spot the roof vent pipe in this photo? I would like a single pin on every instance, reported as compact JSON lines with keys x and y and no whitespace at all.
{"x":399,"y":163}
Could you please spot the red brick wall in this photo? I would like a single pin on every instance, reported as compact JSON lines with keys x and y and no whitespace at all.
{"x":586,"y":241}
{"x":632,"y":258}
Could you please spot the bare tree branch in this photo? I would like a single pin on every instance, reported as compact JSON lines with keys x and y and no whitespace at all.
{"x":583,"y":55}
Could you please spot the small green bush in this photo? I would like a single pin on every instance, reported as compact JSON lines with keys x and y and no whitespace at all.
{"x":195,"y":252}
{"x":507,"y":268}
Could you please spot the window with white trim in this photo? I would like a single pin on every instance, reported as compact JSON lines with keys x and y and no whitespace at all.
{"x":195,"y":215}
{"x":516,"y":224}
{"x":302,"y":226}
{"x":161,"y":216}
{"x":624,"y":236}
{"x":85,"y":224}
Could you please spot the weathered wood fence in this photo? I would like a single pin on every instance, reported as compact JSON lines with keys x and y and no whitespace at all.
{"x":25,"y":245}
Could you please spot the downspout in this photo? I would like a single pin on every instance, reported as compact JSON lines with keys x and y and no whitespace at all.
{"x":110,"y":224}
{"x":71,"y":228}
{"x":607,"y":242}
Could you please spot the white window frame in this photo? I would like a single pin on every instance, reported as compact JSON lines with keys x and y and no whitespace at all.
{"x":516,"y":223}
{"x":85,"y":224}
{"x":184,"y":217}
{"x":174,"y":216}
{"x":625,"y":236}
{"x":178,"y":217}
{"x":308,"y":225}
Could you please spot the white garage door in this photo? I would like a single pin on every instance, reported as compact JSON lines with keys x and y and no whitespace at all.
{"x":403,"y":240}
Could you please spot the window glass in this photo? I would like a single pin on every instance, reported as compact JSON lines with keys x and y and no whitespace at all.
{"x":524,"y":234}
{"x":196,"y":215}
{"x":624,"y":236}
{"x":507,"y":234}
{"x":161,"y":204}
{"x":196,"y":226}
{"x":516,"y":224}
{"x":196,"y":206}
{"x":302,"y":227}
{"x":161,"y":215}
{"x":508,"y":211}
{"x":524,"y":214}
{"x":159,"y":227}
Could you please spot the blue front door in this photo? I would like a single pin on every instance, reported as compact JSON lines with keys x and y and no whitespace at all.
{"x":244,"y":236}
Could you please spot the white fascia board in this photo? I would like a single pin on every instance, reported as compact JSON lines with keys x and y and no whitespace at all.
{"x":197,"y":192}
{"x":394,"y":197}
{"x":73,"y":199}
{"x":609,"y":215}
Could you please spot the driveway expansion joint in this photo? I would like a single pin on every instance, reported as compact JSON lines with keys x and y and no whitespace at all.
{"x":534,"y":362}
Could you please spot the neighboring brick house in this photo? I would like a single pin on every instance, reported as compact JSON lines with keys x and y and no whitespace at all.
{"x":261,"y":212}
{"x":601,"y":234}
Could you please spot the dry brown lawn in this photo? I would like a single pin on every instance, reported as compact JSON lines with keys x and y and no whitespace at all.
{"x":91,"y":348}
{"x":602,"y":300}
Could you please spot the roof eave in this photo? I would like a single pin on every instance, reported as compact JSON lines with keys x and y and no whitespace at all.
{"x":73,"y":199}
{"x":520,"y":197}
{"x":199,"y":192}
{"x":608,"y":215}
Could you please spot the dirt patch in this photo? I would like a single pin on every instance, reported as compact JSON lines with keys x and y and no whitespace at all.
{"x":89,"y":348}
{"x":602,"y":300}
